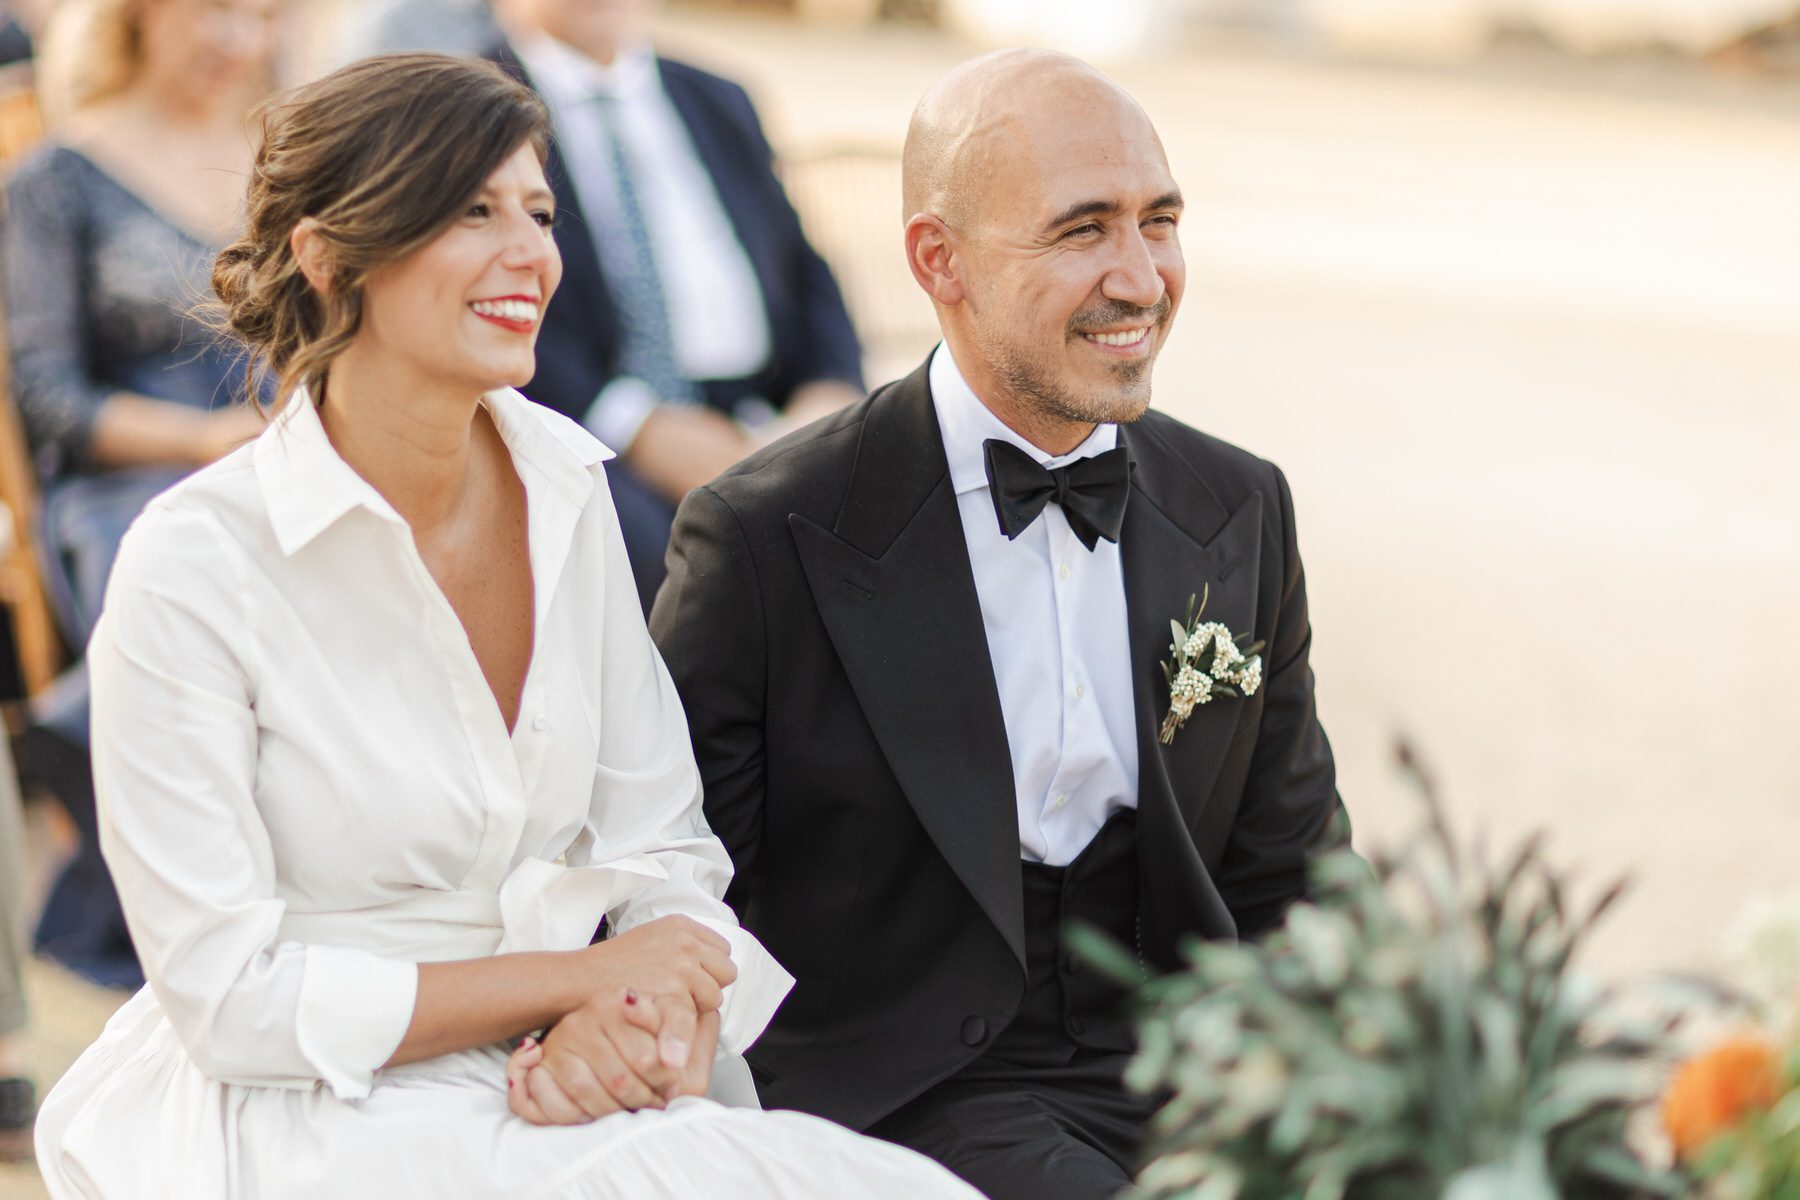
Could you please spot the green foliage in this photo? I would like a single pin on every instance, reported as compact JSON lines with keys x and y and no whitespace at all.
{"x":1759,"y":1157}
{"x":1415,"y":1033}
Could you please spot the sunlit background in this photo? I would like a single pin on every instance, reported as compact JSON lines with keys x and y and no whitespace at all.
{"x":1511,"y":290}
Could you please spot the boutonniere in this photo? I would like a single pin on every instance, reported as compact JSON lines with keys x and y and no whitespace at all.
{"x":1209,"y":661}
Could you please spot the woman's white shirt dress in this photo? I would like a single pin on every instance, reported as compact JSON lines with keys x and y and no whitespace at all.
{"x":306,"y":788}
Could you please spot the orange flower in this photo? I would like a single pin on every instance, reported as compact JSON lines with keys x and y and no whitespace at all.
{"x":1710,"y":1093}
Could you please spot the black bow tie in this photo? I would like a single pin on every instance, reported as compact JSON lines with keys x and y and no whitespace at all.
{"x":1092,"y":491}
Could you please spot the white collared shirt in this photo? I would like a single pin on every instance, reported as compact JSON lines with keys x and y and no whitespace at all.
{"x":717,"y":318}
{"x":1056,"y":631}
{"x":306,"y":786}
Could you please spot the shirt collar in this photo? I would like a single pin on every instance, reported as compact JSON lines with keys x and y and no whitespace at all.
{"x":966,"y":423}
{"x":307,"y":487}
{"x":564,"y":75}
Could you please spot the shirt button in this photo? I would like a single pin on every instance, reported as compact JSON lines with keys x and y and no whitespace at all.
{"x":1080,"y":691}
{"x":1060,"y":801}
{"x":1062,"y":572}
{"x":974,"y":1031}
{"x":540,"y":722}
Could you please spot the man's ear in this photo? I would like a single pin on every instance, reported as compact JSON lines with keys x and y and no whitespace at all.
{"x":312,"y":254}
{"x":935,"y":260}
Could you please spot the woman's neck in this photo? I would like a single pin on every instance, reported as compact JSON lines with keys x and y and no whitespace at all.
{"x":411,"y":438}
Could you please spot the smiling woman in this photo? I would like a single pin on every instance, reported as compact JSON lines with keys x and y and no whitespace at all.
{"x":382,"y":741}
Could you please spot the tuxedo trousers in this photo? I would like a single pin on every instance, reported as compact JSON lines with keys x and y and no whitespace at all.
{"x":1043,"y":1114}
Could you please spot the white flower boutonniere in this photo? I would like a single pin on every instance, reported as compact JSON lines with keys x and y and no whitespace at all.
{"x":1209,"y":661}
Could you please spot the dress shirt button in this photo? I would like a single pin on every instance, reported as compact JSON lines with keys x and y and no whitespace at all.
{"x":974,"y":1031}
{"x":1057,"y":806}
{"x":1080,"y":691}
{"x":540,"y":722}
{"x":1062,"y":572}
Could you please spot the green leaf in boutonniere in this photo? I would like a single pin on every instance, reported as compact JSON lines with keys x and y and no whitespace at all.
{"x":1209,"y":660}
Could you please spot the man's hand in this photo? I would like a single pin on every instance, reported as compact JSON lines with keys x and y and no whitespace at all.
{"x":809,"y":402}
{"x":224,"y":430}
{"x":679,"y":447}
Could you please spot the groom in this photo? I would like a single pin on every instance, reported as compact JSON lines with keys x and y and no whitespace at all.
{"x":919,"y":644}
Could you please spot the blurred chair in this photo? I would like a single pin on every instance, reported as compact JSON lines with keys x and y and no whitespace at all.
{"x":36,"y":640}
{"x":848,"y":198}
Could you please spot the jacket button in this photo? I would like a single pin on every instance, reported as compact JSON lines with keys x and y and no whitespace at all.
{"x":974,"y":1031}
{"x":1068,"y":964}
{"x":1077,"y":1026}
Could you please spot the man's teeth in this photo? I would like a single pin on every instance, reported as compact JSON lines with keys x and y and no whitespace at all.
{"x":523,"y":311}
{"x":1130,"y":337}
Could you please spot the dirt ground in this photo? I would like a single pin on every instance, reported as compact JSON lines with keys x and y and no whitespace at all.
{"x":1526,"y":341}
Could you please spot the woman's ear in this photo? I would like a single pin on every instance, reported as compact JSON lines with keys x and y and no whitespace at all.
{"x":312,"y":254}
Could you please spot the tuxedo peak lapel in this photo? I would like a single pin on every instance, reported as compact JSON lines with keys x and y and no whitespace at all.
{"x":1179,"y":541}
{"x":893,"y":586}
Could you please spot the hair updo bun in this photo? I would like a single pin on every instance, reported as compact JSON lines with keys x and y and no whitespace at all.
{"x":380,"y":156}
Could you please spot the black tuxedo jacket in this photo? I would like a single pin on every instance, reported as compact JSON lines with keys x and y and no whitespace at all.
{"x":821,"y":622}
{"x":810,"y":333}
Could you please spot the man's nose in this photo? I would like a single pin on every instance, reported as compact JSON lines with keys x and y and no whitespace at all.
{"x":1133,"y":278}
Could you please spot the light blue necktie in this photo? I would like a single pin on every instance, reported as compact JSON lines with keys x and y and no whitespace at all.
{"x":648,"y":349}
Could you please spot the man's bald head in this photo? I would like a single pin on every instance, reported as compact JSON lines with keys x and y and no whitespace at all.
{"x":987,"y":119}
{"x":1041,"y":220}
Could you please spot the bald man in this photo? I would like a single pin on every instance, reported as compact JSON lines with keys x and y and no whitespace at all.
{"x":921,"y":642}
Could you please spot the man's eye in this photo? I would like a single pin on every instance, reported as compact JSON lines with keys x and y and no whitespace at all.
{"x":1083,"y":230}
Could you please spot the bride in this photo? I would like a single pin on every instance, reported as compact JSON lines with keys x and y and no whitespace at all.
{"x":380,"y":740}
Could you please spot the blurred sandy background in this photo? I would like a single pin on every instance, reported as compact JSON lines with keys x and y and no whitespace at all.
{"x":1525,"y":335}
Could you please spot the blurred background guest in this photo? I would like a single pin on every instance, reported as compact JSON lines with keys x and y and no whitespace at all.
{"x":110,"y":229}
{"x":18,"y":1098}
{"x":447,"y":26}
{"x":668,"y":205}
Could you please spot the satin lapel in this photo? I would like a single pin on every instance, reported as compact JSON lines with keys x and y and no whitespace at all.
{"x":1179,"y":541}
{"x":892,"y":583}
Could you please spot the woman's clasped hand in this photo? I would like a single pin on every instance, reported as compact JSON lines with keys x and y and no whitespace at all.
{"x":646,"y":1035}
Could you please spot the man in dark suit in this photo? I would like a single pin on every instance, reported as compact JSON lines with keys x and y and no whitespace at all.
{"x":694,"y":321}
{"x":920,"y":648}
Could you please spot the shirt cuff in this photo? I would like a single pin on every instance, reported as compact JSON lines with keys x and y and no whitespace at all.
{"x":354,"y":1010}
{"x":620,"y":410}
{"x":761,"y":985}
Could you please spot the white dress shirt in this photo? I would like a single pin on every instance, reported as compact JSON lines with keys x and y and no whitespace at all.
{"x":1056,"y":632}
{"x":306,"y":787}
{"x":717,"y":319}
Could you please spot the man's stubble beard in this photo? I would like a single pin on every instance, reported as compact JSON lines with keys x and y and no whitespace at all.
{"x":1032,"y":380}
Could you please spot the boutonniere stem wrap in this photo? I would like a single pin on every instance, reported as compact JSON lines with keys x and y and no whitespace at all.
{"x":1209,"y":661}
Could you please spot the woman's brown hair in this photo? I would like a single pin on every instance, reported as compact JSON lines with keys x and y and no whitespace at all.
{"x":380,"y":156}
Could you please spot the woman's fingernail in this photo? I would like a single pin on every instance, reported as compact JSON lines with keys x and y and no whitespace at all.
{"x":630,"y":996}
{"x":528,"y":1043}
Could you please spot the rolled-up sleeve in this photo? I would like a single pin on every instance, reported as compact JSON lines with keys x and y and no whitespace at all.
{"x":647,"y":799}
{"x":175,"y":750}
